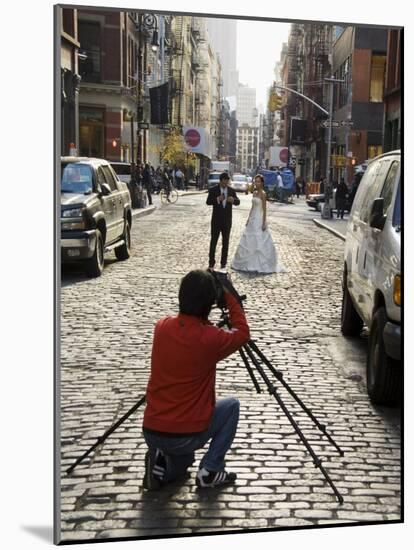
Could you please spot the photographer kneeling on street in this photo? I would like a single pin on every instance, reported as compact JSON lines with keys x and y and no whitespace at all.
{"x":182,"y":414}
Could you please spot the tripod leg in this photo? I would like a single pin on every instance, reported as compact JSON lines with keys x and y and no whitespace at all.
{"x":272,"y":390}
{"x":279,"y":377}
{"x":106,"y":435}
{"x":250,"y":370}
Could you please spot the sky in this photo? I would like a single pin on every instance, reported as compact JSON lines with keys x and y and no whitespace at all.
{"x":259,"y":44}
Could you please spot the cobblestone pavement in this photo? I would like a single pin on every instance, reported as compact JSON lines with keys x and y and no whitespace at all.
{"x":106,"y":327}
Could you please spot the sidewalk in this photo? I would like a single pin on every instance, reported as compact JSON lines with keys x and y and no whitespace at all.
{"x":336,"y":227}
{"x":139,"y":212}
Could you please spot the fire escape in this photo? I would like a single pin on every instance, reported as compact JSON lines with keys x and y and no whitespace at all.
{"x":176,"y":70}
{"x":317,"y":48}
{"x":199,"y":64}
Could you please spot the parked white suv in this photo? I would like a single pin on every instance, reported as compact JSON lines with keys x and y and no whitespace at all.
{"x":372,"y":275}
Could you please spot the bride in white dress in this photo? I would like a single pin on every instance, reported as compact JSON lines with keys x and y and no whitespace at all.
{"x":256,"y":252}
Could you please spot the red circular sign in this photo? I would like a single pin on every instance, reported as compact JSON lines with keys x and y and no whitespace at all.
{"x":192,"y":137}
{"x":283,"y":155}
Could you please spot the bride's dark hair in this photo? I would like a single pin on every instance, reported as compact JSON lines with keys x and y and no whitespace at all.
{"x":260,"y":177}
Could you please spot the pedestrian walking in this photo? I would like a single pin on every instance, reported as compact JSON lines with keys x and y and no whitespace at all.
{"x":298,"y":186}
{"x":185,"y":351}
{"x":322,"y":186}
{"x":147,"y":181}
{"x":159,"y":173}
{"x":179,"y":179}
{"x":221,"y":198}
{"x":340,"y":198}
{"x":279,"y":186}
{"x":166,"y":182}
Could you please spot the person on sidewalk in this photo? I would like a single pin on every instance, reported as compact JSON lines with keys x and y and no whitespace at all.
{"x":340,"y":198}
{"x":147,"y":181}
{"x":166,"y":183}
{"x":279,"y":186}
{"x":179,"y":179}
{"x":298,"y":186}
{"x":182,"y":413}
{"x":221,"y":198}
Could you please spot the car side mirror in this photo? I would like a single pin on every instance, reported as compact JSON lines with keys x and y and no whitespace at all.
{"x":106,"y":190}
{"x":377,"y":218}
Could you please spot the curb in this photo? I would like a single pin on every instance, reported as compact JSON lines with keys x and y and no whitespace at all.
{"x":187,"y":193}
{"x":333,"y":231}
{"x":139,"y":212}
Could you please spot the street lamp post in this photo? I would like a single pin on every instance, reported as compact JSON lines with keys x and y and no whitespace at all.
{"x":146,"y":22}
{"x":326,"y":210}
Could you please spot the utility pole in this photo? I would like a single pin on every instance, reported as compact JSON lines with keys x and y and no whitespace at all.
{"x":326,"y":210}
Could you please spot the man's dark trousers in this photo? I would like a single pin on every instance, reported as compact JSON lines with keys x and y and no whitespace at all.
{"x":220,"y":222}
{"x":225,"y":236}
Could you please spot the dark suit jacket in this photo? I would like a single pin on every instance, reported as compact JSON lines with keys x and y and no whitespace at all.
{"x":221,"y":216}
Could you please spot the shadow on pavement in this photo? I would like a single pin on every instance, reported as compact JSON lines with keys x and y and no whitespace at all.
{"x":44,"y":533}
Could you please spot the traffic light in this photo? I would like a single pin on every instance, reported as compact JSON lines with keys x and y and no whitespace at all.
{"x":353,"y":161}
{"x":275,"y":102}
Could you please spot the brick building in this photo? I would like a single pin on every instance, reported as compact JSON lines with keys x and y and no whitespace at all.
{"x":69,"y":45}
{"x":108,"y":43}
{"x":392,"y":92}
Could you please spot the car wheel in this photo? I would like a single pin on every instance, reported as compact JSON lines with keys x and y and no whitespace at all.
{"x":123,"y":252}
{"x":383,"y":373}
{"x":351,"y":322}
{"x":95,"y":265}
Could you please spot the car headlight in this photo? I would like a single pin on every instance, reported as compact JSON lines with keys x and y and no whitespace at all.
{"x":72,"y":219}
{"x":73,"y":213}
{"x":397,"y":290}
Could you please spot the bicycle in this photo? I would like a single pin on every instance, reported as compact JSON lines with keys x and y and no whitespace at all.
{"x":168,"y":196}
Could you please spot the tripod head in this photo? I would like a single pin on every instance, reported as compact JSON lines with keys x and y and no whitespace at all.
{"x":223,"y":282}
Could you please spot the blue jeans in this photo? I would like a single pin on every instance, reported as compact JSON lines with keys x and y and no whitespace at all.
{"x":180,"y":451}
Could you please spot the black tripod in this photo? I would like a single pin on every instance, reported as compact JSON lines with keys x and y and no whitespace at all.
{"x":108,"y":432}
{"x":252,"y":352}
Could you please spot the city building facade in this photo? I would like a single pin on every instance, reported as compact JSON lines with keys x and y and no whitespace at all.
{"x":247,"y":148}
{"x":392,"y":92}
{"x":246,"y":105}
{"x":70,"y":80}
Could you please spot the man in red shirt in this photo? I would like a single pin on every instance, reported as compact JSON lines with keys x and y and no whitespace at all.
{"x":182,"y":414}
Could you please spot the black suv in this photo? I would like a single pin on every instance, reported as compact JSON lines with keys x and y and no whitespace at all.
{"x":95,"y":213}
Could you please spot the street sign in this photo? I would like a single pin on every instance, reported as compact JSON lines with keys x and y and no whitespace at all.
{"x":292,"y":161}
{"x":143,"y":125}
{"x":338,"y":160}
{"x":338,"y":123}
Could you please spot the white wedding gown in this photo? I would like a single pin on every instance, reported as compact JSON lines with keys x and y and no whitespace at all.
{"x":256,"y":251}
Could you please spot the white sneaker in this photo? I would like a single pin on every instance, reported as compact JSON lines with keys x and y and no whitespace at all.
{"x":214,"y":479}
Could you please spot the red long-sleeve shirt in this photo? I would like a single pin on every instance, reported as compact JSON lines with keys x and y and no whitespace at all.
{"x":180,"y":394}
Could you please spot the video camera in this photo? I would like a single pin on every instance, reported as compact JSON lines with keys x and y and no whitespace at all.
{"x":223,"y":282}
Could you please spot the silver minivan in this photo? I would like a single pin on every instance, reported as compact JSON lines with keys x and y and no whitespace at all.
{"x":372,"y":275}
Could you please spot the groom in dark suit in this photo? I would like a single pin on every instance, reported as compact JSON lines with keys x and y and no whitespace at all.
{"x":221,"y":198}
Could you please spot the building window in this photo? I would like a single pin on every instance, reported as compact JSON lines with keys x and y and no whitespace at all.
{"x":377,"y":78}
{"x":90,"y":44}
{"x":68,"y":22}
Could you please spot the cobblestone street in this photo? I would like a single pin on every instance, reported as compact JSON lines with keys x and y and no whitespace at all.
{"x":294,"y":317}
